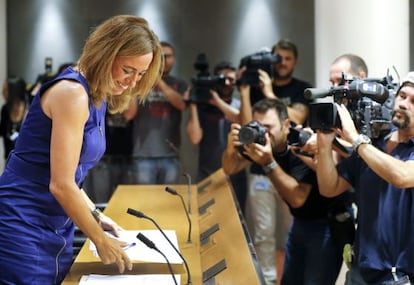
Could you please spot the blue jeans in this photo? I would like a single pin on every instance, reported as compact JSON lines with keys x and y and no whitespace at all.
{"x":311,"y":256}
{"x":150,"y":171}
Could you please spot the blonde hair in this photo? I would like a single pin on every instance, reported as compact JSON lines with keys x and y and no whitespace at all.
{"x":121,"y":35}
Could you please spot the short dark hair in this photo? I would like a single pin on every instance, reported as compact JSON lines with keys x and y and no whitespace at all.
{"x":286,"y":44}
{"x":167,"y":44}
{"x":223,"y":65}
{"x":267,"y":104}
{"x":357,"y":64}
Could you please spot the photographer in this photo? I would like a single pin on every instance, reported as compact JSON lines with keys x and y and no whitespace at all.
{"x":275,"y":80}
{"x":381,"y":173}
{"x":311,"y":255}
{"x":287,"y":87}
{"x":156,"y":125}
{"x":209,"y":124}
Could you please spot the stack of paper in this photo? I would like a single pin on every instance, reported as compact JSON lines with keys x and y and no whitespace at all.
{"x":149,"y":279}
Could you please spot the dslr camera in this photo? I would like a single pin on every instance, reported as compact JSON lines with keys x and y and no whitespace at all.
{"x":264,"y":60}
{"x":204,"y":82}
{"x":298,"y":137}
{"x":253,"y":132}
{"x":369,"y":101}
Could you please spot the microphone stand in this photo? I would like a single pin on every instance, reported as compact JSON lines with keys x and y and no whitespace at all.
{"x":174,"y":192}
{"x":142,"y":215}
{"x":185,"y":174}
{"x":188,"y":178}
{"x":151,"y":245}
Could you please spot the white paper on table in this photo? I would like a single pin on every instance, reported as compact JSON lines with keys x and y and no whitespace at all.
{"x":140,"y":252}
{"x":145,"y":279}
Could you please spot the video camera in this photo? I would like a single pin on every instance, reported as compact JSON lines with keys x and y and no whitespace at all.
{"x":369,"y":101}
{"x":264,"y":60}
{"x":204,"y":82}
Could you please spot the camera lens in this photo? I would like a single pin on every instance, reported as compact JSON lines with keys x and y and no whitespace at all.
{"x":247,"y":135}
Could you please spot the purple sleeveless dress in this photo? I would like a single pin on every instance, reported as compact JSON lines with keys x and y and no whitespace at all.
{"x":35,"y":233}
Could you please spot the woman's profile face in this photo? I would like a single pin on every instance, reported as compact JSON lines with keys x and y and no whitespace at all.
{"x":128,"y":70}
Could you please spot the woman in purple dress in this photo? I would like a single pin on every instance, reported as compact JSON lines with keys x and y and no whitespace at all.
{"x":63,"y":136}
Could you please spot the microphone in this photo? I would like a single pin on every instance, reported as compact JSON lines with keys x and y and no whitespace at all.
{"x":140,"y":215}
{"x":315,"y":93}
{"x":151,"y":245}
{"x":173,"y":192}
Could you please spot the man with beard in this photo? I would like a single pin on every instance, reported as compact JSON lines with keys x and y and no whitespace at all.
{"x":381,"y":174}
{"x":286,"y":87}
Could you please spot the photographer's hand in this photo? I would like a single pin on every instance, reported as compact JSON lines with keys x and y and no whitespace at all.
{"x":348,"y":130}
{"x":232,"y":161}
{"x":266,"y":84}
{"x":261,"y":154}
{"x":215,"y":99}
{"x":233,"y":141}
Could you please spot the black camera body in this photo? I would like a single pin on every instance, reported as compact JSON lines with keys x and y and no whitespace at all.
{"x":298,"y":137}
{"x":201,"y":86}
{"x":369,"y":101}
{"x":204,"y":82}
{"x":253,"y":132}
{"x":264,"y":60}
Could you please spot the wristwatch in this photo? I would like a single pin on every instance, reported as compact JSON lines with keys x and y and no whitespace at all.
{"x":96,"y":213}
{"x":361,"y":139}
{"x":269,"y":167}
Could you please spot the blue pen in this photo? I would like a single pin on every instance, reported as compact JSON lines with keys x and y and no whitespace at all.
{"x":129,"y":246}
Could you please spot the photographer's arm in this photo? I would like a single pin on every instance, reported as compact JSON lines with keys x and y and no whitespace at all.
{"x":173,"y":96}
{"x":292,"y":191}
{"x":392,"y":170}
{"x":231,"y":160}
{"x":245,"y":105}
{"x":329,"y":182}
{"x":194,"y":130}
{"x":297,"y":113}
{"x":231,"y":113}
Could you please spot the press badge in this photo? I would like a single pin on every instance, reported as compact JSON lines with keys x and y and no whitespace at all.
{"x":261,"y":183}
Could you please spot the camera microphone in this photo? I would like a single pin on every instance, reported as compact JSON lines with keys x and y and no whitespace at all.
{"x":315,"y":93}
{"x":151,"y":245}
{"x":174,"y":192}
{"x":139,"y":214}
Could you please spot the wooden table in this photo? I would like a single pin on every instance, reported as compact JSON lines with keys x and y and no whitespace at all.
{"x":219,"y":252}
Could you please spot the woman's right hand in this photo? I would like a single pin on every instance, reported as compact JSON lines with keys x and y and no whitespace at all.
{"x":111,"y":251}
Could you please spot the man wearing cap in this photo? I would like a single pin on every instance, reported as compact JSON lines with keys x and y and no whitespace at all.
{"x":381,"y":172}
